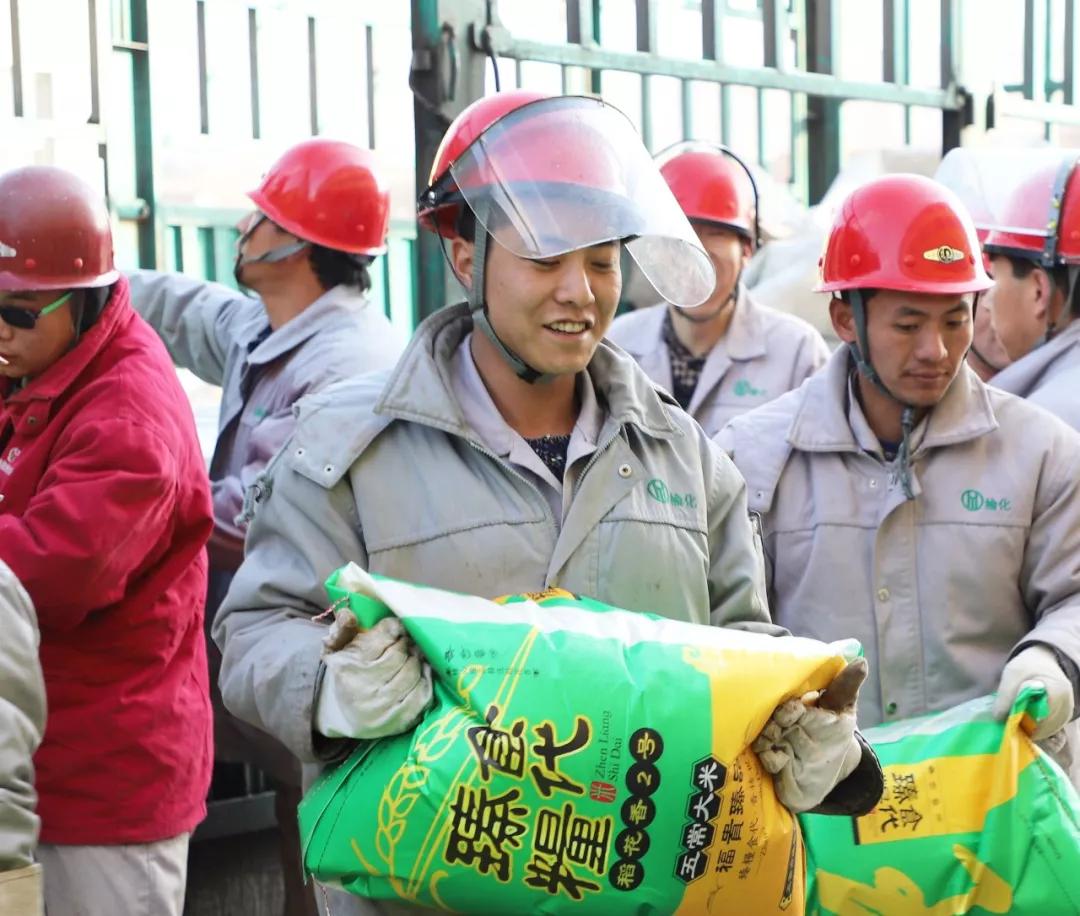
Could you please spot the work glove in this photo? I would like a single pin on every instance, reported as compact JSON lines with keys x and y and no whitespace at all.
{"x":809,"y":744}
{"x":376,"y":682}
{"x":1037,"y":666}
{"x":20,"y":891}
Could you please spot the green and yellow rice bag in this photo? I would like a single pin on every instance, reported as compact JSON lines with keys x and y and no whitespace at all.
{"x":975,"y":819}
{"x":578,"y":758}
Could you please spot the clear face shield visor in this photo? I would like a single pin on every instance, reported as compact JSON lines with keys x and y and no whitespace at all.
{"x":567,"y":173}
{"x":1019,"y":200}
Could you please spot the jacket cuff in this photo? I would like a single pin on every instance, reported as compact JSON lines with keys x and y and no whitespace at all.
{"x":327,"y":750}
{"x":861,"y":791}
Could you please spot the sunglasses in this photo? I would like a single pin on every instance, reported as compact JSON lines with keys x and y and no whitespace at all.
{"x":25,"y":319}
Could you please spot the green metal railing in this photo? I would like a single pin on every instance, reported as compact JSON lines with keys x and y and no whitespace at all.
{"x":171,"y":210}
{"x":1051,"y":32}
{"x":798,"y":54}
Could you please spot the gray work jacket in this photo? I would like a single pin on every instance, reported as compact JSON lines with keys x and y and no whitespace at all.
{"x":384,"y":471}
{"x":943,"y":589}
{"x":22,"y":722}
{"x":1049,"y":376}
{"x":225,"y":338}
{"x":763,"y":354}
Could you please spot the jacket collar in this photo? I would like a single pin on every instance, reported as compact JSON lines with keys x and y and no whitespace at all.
{"x":744,"y":340}
{"x":484,"y":419}
{"x":645,"y":335}
{"x":420,"y":389}
{"x":1021,"y":377}
{"x":336,"y":301}
{"x":55,"y":380}
{"x":822,"y":422}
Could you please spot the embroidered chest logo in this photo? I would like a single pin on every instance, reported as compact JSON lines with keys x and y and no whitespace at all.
{"x":7,"y":464}
{"x":658,"y":490}
{"x":974,"y":501}
{"x":746,"y":389}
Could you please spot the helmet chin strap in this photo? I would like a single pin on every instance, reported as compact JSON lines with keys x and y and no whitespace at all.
{"x":979,"y":355}
{"x":974,"y":349}
{"x":78,"y":315}
{"x":860,"y":352}
{"x":693,"y":315}
{"x":1053,"y":323}
{"x":481,"y":319}
{"x":268,"y":257}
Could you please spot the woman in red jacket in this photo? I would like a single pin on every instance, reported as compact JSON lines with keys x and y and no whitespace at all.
{"x":104,"y":514}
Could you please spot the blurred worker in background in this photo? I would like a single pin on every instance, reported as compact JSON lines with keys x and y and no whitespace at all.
{"x":1034,"y":250}
{"x":321,"y":218}
{"x":730,"y":354}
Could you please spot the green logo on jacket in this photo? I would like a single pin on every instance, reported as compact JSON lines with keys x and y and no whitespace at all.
{"x":974,"y":501}
{"x":745,"y":389}
{"x":659,"y":491}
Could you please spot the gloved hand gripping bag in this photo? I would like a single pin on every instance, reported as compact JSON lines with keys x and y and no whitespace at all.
{"x":577,"y":758}
{"x":975,"y":819}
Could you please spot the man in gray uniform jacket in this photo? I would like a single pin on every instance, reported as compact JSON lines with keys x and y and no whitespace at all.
{"x":729,"y":354}
{"x":322,"y":216}
{"x":904,"y":502}
{"x":22,"y":723}
{"x":510,"y":450}
{"x":1035,"y":302}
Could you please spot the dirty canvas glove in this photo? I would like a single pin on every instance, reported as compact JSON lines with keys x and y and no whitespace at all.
{"x":376,"y":682}
{"x":20,"y":891}
{"x":1037,"y":665}
{"x":809,"y":744}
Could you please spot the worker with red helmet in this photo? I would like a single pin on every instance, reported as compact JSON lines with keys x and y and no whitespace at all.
{"x":730,"y":354}
{"x":104,"y":515}
{"x":1034,"y":251}
{"x":906,"y":503}
{"x":511,"y":448}
{"x":322,"y":214}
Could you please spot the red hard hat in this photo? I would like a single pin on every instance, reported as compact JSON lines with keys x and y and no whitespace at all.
{"x":1048,"y":203}
{"x":546,"y":175}
{"x":711,"y":186}
{"x":54,"y":232}
{"x":906,"y":233}
{"x":462,"y":133}
{"x":329,"y":193}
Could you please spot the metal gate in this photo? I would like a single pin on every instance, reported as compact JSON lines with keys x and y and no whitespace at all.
{"x":175,"y":107}
{"x":794,"y":85}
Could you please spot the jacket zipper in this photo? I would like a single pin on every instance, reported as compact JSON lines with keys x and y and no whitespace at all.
{"x":547,"y":509}
{"x":508,"y":467}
